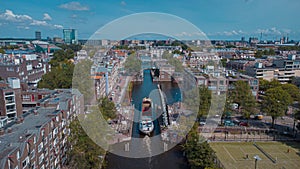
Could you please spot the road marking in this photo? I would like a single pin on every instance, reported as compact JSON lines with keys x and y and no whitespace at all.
{"x":229,"y":154}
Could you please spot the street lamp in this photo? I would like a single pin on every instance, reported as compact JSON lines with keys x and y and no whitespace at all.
{"x":101,"y":157}
{"x":257,"y":158}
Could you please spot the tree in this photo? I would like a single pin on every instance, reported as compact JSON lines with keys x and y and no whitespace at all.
{"x":60,"y":56}
{"x":242,"y":95}
{"x":173,"y":61}
{"x":296,"y":118}
{"x":205,"y":101}
{"x":59,"y":77}
{"x":84,"y":152}
{"x":264,"y":85}
{"x":107,"y":108}
{"x":198,"y":152}
{"x":82,"y":80}
{"x":275,"y":102}
{"x":293,"y":91}
{"x":2,"y":51}
{"x":132,"y":64}
{"x":224,"y":62}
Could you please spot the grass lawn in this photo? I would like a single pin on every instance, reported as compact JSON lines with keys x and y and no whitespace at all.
{"x":233,"y":155}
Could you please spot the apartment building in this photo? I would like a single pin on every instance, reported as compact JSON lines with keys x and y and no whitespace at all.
{"x":38,"y":139}
{"x":31,"y":98}
{"x":10,"y":100}
{"x":217,"y":82}
{"x":27,"y":68}
{"x":282,"y":70}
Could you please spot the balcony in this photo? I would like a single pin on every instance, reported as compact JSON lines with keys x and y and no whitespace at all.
{"x":9,"y":102}
{"x":9,"y":94}
{"x":10,"y":111}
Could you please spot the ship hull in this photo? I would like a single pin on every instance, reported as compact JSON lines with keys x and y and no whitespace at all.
{"x":146,"y":125}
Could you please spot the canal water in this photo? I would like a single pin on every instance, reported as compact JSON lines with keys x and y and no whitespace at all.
{"x":171,"y":159}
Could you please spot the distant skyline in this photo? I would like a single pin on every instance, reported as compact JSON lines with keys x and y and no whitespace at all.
{"x":218,"y":19}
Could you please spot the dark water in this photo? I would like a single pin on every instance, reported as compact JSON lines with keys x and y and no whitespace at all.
{"x":170,"y":159}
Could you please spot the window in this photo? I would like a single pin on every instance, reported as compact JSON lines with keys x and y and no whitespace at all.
{"x":41,"y":158}
{"x":18,"y":155}
{"x":33,"y":165}
{"x":45,"y":141}
{"x":55,"y":131}
{"x":43,"y":132}
{"x":47,"y":163}
{"x":10,"y":69}
{"x":46,"y":151}
{"x":51,"y":157}
{"x":50,"y":145}
{"x":40,"y":147}
{"x":50,"y":136}
{"x":25,"y":162}
{"x":55,"y":142}
{"x":32,"y":154}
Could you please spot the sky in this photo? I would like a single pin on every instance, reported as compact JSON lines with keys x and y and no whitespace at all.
{"x":218,"y":19}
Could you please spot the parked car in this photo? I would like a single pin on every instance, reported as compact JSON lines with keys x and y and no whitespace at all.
{"x":244,"y":124}
{"x":258,"y":117}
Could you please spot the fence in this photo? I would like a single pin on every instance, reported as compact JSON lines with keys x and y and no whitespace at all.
{"x":249,"y":134}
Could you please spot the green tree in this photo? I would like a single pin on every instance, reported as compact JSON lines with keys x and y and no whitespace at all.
{"x":198,"y":152}
{"x":296,"y":119}
{"x":82,"y":80}
{"x":85,"y":153}
{"x":72,"y":47}
{"x":59,"y":77}
{"x":61,"y":56}
{"x":107,"y":108}
{"x":264,"y":85}
{"x":293,"y":91}
{"x":224,"y":62}
{"x":173,"y":61}
{"x":242,"y":95}
{"x":275,"y":102}
{"x":271,"y":52}
{"x":2,"y":51}
{"x":132,"y":64}
{"x":205,"y":100}
{"x":258,"y":54}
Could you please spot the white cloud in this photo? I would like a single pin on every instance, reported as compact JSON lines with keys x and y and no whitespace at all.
{"x":186,"y":34}
{"x":10,"y":16}
{"x":23,"y":27}
{"x":25,"y":21}
{"x":123,"y":3}
{"x":74,"y":16}
{"x":38,"y":23}
{"x":273,"y":31}
{"x":74,"y":6}
{"x":228,"y":33}
{"x":287,"y":31}
{"x":58,"y":26}
{"x":47,"y":17}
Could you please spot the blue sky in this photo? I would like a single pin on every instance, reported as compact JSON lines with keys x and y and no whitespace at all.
{"x":218,"y":19}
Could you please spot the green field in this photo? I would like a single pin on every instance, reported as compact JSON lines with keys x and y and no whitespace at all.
{"x":233,"y":155}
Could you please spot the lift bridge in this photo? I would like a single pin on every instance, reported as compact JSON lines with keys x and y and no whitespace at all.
{"x":147,"y":63}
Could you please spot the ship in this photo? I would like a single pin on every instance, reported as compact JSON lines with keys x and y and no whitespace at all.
{"x":146,"y":125}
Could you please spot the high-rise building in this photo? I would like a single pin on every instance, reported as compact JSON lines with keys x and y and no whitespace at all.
{"x":38,"y":35}
{"x":70,"y":36}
